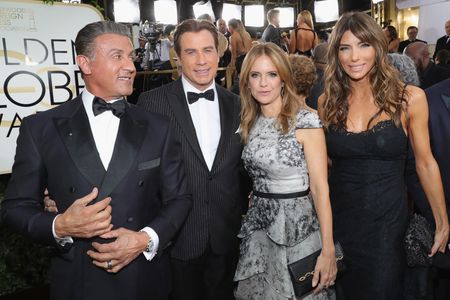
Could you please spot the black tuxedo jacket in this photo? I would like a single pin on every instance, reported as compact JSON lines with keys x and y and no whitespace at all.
{"x":441,"y":43}
{"x":217,"y":195}
{"x":405,"y":43}
{"x":272,"y":34}
{"x":438,"y":97}
{"x":145,"y":179}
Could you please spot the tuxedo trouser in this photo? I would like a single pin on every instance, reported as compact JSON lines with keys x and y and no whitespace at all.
{"x":209,"y":277}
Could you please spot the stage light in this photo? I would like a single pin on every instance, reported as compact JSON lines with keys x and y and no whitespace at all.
{"x":231,"y":11}
{"x":126,"y":11}
{"x":326,"y":11}
{"x":201,"y":8}
{"x":254,"y":15}
{"x":166,"y":12}
{"x":286,"y":16}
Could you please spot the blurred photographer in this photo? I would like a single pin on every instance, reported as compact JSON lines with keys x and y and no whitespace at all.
{"x":139,"y":53}
{"x":158,"y":48}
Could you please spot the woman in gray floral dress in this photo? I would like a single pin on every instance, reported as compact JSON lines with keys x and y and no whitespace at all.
{"x":286,"y":157}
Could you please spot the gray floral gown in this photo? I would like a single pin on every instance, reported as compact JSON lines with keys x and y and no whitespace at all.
{"x":276,"y":232}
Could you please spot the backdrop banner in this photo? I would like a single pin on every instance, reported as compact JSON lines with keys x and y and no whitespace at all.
{"x":37,"y":62}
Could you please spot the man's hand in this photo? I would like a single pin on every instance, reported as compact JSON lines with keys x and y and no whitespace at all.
{"x":49,"y":204}
{"x":81,"y":220}
{"x":115,"y":255}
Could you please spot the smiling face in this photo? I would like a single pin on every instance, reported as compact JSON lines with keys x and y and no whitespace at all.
{"x":357,"y":58}
{"x":198,"y":58}
{"x":110,"y":73}
{"x":265,"y":83}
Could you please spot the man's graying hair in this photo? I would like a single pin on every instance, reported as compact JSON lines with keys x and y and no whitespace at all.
{"x":85,"y":40}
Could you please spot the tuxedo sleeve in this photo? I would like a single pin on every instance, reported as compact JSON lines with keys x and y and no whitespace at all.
{"x":22,"y":208}
{"x":176,"y":198}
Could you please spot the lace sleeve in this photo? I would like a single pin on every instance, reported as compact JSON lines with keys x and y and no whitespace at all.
{"x":308,"y":119}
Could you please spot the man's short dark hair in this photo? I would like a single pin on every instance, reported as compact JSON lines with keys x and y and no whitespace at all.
{"x":443,"y":56}
{"x":192,"y":25}
{"x":411,"y":27}
{"x":85,"y":40}
{"x":272,"y":14}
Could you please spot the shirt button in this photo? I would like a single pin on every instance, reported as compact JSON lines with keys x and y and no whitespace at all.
{"x":72,"y":189}
{"x":130,"y":219}
{"x":141,"y":183}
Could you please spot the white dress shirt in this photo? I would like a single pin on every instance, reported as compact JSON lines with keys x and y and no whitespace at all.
{"x":104,"y":128}
{"x":206,"y":118}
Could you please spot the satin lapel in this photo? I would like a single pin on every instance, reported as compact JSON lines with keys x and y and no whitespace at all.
{"x":76,"y":135}
{"x":446,"y":100}
{"x":129,"y":139}
{"x":226,"y":109}
{"x":178,"y":102}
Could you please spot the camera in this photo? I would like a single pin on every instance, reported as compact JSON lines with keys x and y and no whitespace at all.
{"x":151,"y":31}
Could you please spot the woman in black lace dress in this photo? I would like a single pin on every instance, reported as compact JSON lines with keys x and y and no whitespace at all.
{"x":369,"y":115}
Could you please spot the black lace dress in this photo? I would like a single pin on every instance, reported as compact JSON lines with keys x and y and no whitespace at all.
{"x":370,"y":212}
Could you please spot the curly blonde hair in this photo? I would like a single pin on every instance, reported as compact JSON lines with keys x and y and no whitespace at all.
{"x":250,"y":108}
{"x":303,"y":73}
{"x":387,"y":87}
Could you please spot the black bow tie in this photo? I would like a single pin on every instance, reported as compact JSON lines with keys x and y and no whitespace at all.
{"x":193,"y":97}
{"x":117,"y":108}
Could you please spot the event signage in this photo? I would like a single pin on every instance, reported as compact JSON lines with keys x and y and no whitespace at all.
{"x":37,"y":62}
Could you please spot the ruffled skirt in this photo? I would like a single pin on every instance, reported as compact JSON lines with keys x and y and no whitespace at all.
{"x":275,"y":233}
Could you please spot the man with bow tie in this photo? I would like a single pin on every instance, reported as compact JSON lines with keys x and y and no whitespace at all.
{"x":444,"y":41}
{"x":205,"y":117}
{"x":115,"y":173}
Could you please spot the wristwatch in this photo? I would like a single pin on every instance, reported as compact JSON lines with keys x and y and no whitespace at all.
{"x":150,"y":245}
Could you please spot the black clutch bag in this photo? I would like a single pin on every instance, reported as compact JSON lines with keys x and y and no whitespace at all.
{"x":302,"y":271}
{"x":418,"y":242}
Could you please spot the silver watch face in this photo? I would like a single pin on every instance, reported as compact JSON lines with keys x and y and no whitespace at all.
{"x":149,"y":246}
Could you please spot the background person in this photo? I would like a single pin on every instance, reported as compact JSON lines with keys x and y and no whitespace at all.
{"x":412,"y":32}
{"x":271,"y":33}
{"x":444,"y":41}
{"x":240,"y":43}
{"x":319,"y":58}
{"x":443,"y":58}
{"x":303,"y":38}
{"x":303,"y":75}
{"x":392,"y":38}
{"x":429,"y":72}
{"x":405,"y":65}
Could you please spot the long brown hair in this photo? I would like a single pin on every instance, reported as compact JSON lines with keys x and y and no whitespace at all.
{"x":384,"y":79}
{"x":250,"y":107}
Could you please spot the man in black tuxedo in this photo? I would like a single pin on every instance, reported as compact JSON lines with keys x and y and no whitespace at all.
{"x":205,"y":118}
{"x":444,"y":41}
{"x":412,"y":32}
{"x":115,"y":173}
{"x":438,"y":97}
{"x":272,"y":32}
